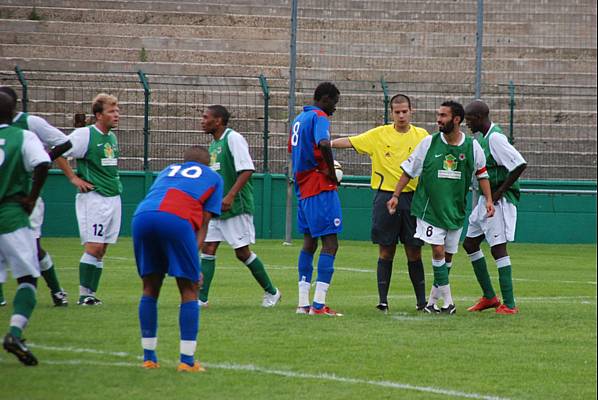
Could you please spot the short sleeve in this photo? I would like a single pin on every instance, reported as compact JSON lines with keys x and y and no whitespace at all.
{"x":240,"y":150}
{"x":33,"y":151}
{"x":80,"y":140}
{"x":321,"y":129}
{"x":214,"y":203}
{"x":479,"y":161}
{"x":362,"y":143}
{"x":49,"y":135}
{"x":504,"y":153}
{"x":414,"y":165}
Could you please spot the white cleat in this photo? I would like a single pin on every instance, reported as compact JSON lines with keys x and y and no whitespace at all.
{"x":202,"y":304}
{"x":270,"y":300}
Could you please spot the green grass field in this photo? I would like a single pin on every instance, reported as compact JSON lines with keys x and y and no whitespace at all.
{"x":548,"y":351}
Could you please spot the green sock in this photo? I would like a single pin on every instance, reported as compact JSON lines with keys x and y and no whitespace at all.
{"x":24,"y":303}
{"x":86,"y":274}
{"x":449,"y":266}
{"x":1,"y":292}
{"x":441,"y":276}
{"x":481,"y":273}
{"x":51,"y":279}
{"x":208,"y":267}
{"x":95,"y":281}
{"x":259,"y":273}
{"x":506,"y":285}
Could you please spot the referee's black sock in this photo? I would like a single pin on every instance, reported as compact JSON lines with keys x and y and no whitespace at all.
{"x":418,"y":280}
{"x":384,"y":273}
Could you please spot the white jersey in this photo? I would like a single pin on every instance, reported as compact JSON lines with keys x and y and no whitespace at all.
{"x":503,"y":152}
{"x":49,"y":135}
{"x":240,"y":150}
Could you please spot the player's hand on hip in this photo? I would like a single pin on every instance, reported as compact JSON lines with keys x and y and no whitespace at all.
{"x":489,"y":209}
{"x":391,"y":205}
{"x":81,"y":185}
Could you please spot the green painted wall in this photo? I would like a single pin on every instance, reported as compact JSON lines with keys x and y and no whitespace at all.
{"x":542,"y":218}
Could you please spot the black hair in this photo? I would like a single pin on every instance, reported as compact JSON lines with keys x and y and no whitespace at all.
{"x":220,"y":112}
{"x":7,"y":108}
{"x":400,"y":98}
{"x":326,"y":89}
{"x":456,"y":109}
{"x":11,"y":92}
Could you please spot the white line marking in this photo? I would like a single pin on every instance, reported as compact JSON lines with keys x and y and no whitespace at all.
{"x":258,"y":369}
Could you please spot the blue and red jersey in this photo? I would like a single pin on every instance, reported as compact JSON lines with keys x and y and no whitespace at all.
{"x":185,"y":190}
{"x":309,"y":168}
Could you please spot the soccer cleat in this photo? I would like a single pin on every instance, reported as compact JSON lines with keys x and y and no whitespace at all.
{"x":184,"y":367}
{"x":60,"y":299}
{"x":505,"y":310}
{"x":270,"y":300}
{"x":420,"y":307}
{"x":149,"y":364}
{"x":16,"y":346}
{"x":449,"y":310}
{"x":302,"y":310}
{"x":203,"y":304}
{"x":2,"y":303}
{"x":432,"y":309}
{"x":382,"y":307}
{"x":324,"y":311}
{"x":484,"y":304}
{"x":89,"y":301}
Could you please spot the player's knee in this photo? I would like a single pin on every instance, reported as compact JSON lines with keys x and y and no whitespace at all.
{"x":470,"y":246}
{"x":499,"y":251}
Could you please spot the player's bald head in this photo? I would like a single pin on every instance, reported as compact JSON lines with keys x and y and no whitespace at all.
{"x":477,"y":108}
{"x":197,"y":154}
{"x":7,"y":108}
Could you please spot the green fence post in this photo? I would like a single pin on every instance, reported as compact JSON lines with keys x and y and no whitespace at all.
{"x":511,"y":110}
{"x":146,"y":128}
{"x":267,"y":182}
{"x":24,"y":85}
{"x":386,"y":99}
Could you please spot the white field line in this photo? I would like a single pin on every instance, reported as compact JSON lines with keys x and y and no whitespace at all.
{"x":258,"y":369}
{"x":346,"y":269}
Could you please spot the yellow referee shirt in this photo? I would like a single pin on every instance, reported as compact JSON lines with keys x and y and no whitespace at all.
{"x":388,"y":149}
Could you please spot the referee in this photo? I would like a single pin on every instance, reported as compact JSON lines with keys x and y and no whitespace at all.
{"x":388,"y":146}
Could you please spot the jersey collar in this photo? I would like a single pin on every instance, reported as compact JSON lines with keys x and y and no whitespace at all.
{"x":489,"y":129}
{"x":458,"y":144}
{"x":16,"y":118}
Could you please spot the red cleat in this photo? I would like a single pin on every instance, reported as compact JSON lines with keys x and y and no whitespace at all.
{"x":324,"y":311}
{"x":484,"y":304}
{"x":504,"y":310}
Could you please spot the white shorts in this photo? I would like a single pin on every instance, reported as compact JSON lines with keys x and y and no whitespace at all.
{"x":36,"y":219}
{"x":98,"y":217}
{"x":237,"y":231}
{"x":498,"y":229}
{"x":19,"y":251}
{"x":438,"y":236}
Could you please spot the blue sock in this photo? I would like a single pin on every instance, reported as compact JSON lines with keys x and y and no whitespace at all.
{"x":189,"y":326}
{"x":306,"y":268}
{"x":325,"y":268}
{"x":148,"y":320}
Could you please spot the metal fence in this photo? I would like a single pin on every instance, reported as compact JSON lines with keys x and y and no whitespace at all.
{"x":160,"y":115}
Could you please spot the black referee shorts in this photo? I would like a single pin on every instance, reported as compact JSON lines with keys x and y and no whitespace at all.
{"x":388,"y":229}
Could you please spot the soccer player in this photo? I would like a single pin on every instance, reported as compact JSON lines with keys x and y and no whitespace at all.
{"x":21,"y":152}
{"x":98,"y":204}
{"x":57,"y":143}
{"x":388,"y":146}
{"x":167,"y":226}
{"x":505,"y":165}
{"x":229,"y":156}
{"x":318,"y":205}
{"x":445,"y":162}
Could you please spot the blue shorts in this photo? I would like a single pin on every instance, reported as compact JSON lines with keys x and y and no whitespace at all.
{"x":165,"y":244}
{"x":320,"y":215}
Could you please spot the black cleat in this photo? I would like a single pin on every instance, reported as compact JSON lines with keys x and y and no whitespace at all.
{"x":383,"y":307}
{"x":432,"y":309}
{"x":60,"y":299}
{"x":449,"y":310}
{"x":89,"y":301}
{"x":420,"y":307}
{"x":16,"y":346}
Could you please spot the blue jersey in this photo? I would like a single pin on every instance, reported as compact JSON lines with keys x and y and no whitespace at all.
{"x":185,"y":190}
{"x":309,"y":168}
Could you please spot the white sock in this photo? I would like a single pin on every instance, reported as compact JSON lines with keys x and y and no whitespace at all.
{"x":149,"y":343}
{"x":45,"y":263}
{"x":304,"y":293}
{"x":187,"y":347}
{"x":446,"y":294}
{"x":434,"y":295}
{"x":321,"y":290}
